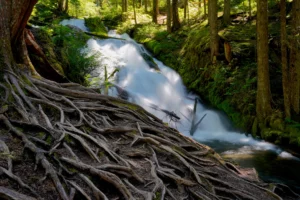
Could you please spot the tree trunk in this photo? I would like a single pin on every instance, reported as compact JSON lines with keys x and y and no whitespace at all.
{"x":213,"y":23}
{"x":175,"y":17}
{"x":250,"y":9}
{"x":146,"y":5}
{"x":205,"y":12}
{"x":13,"y":19}
{"x":155,"y":11}
{"x":125,"y":5}
{"x":285,"y":70}
{"x":67,"y":6}
{"x":295,"y":57}
{"x":226,"y":15}
{"x":263,"y":99}
{"x":169,"y":17}
{"x":62,"y":6}
{"x":134,"y":11}
{"x":185,"y":9}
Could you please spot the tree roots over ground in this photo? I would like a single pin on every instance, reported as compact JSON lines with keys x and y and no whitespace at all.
{"x":64,"y":141}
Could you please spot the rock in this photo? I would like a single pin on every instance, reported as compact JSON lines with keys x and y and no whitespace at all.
{"x":149,"y":60}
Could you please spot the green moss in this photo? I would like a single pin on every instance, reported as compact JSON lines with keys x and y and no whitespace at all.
{"x":129,"y":105}
{"x":157,"y":196}
{"x":87,"y":129}
{"x":68,"y":139}
{"x":26,"y":80}
{"x":95,"y":25}
{"x":49,"y":139}
{"x":101,"y":154}
{"x":4,"y":155}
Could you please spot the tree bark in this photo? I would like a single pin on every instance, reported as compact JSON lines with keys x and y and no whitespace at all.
{"x":175,"y":17}
{"x":155,"y":11}
{"x":62,"y":6}
{"x":13,"y":19}
{"x":263,"y":99}
{"x":250,"y":9}
{"x":134,"y":11}
{"x":146,"y":5}
{"x":185,"y":9}
{"x":67,"y":6}
{"x":285,"y":70}
{"x":205,"y":12}
{"x":294,"y":57}
{"x":226,"y":15}
{"x":169,"y":17}
{"x":213,"y":23}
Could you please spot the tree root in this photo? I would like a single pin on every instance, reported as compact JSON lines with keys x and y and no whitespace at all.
{"x":74,"y":133}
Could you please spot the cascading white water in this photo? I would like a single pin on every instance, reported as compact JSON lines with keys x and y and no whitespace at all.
{"x":162,"y":92}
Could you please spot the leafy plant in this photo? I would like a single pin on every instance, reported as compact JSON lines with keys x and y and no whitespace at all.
{"x":72,"y":43}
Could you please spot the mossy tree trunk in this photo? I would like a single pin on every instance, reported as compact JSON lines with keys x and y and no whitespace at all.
{"x":250,"y":9}
{"x":205,"y":5}
{"x":124,"y":5}
{"x":146,"y":5}
{"x":63,"y":6}
{"x":185,"y":9}
{"x":155,"y":10}
{"x":169,"y":17}
{"x":13,"y":19}
{"x":263,"y":99}
{"x":284,"y":64}
{"x":213,"y":23}
{"x":134,"y":11}
{"x":295,"y":57}
{"x":175,"y":17}
{"x":226,"y":15}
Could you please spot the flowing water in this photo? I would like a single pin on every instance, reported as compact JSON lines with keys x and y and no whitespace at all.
{"x":159,"y":90}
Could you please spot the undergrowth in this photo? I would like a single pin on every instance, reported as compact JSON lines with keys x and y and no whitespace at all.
{"x":95,"y":26}
{"x":72,"y":43}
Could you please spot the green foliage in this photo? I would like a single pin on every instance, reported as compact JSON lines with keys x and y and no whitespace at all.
{"x":44,"y":12}
{"x":95,"y":25}
{"x":111,"y":16}
{"x":72,"y":42}
{"x":83,"y":8}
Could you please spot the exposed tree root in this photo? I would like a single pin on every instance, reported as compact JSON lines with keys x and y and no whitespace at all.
{"x":84,"y":145}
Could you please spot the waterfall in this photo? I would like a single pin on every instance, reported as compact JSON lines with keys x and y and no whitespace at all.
{"x":160,"y":90}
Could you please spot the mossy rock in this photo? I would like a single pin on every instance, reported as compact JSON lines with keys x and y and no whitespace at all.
{"x":154,"y":46}
{"x":271,"y":134}
{"x":95,"y":25}
{"x":149,"y":60}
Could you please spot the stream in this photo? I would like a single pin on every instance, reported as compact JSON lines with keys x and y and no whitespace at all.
{"x":160,"y":90}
